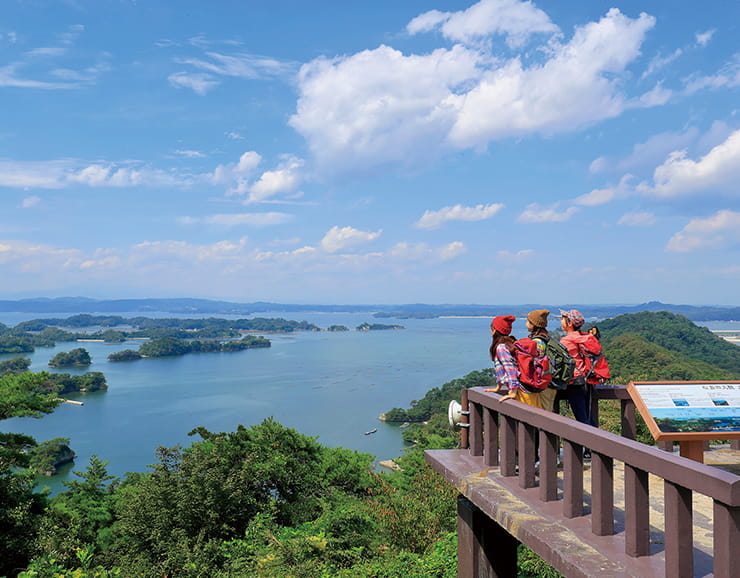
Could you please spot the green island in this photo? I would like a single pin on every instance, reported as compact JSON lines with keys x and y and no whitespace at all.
{"x":268,"y":501}
{"x":377,"y":327}
{"x":46,"y":457}
{"x":172,"y":346}
{"x":27,"y":335}
{"x":74,"y":358}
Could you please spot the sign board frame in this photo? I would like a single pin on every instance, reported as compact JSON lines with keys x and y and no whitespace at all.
{"x":706,"y":400}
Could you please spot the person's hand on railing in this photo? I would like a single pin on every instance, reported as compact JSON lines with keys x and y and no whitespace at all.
{"x":510,"y":395}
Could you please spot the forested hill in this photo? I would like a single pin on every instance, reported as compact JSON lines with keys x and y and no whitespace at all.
{"x":663,"y":345}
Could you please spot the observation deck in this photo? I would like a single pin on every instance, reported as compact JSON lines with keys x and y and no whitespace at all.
{"x":633,"y":510}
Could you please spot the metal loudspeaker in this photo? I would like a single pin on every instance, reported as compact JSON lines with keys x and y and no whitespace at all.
{"x":455,"y":414}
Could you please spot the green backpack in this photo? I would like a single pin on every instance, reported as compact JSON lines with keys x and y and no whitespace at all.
{"x":562,"y":365}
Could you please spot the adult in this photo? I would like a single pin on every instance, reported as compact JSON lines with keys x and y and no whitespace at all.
{"x":580,"y":390}
{"x":504,"y":363}
{"x":537,"y":327}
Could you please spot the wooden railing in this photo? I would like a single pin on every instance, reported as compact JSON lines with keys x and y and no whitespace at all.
{"x":506,"y":435}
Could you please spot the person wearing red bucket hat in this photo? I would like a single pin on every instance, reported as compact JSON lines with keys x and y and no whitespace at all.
{"x":504,"y":363}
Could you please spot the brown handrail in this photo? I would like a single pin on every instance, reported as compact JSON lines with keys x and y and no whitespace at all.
{"x":499,"y":430}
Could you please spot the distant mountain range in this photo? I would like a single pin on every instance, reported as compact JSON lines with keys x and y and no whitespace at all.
{"x":415,"y":310}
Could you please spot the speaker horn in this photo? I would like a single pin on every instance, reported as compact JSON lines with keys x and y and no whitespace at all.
{"x":455,"y":414}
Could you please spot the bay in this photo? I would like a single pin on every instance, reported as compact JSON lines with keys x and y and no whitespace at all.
{"x":329,"y":385}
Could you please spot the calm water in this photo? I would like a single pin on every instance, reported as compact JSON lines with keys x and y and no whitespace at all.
{"x":330,"y":385}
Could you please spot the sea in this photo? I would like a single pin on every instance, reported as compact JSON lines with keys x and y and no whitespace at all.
{"x":329,"y":385}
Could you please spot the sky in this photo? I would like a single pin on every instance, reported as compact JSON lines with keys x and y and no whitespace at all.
{"x":498,"y":152}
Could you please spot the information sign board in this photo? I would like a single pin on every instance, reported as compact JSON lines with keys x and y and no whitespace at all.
{"x":689,"y":410}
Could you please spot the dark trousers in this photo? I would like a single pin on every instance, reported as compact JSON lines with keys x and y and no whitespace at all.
{"x":579,"y":398}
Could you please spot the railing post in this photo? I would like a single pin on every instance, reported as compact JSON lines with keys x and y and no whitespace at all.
{"x":602,"y":495}
{"x":490,"y":429}
{"x":629,"y":421}
{"x":573,"y":479}
{"x":476,"y":433}
{"x":678,"y":531}
{"x":548,"y":466}
{"x":636,"y":511}
{"x":527,"y":454}
{"x":726,"y":540}
{"x":508,"y":445}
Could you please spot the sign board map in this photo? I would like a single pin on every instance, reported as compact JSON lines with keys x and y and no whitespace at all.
{"x":683,"y":410}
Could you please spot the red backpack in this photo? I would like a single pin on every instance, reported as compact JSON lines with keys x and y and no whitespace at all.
{"x":534,"y":369}
{"x":596,"y":364}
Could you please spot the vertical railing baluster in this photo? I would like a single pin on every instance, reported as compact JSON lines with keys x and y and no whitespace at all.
{"x":527,"y":454}
{"x":548,"y":466}
{"x":602,"y":494}
{"x":678,"y":531}
{"x":476,"y":433}
{"x":490,"y":446}
{"x":726,"y":540}
{"x":636,"y":511}
{"x":573,"y":479}
{"x":508,"y":445}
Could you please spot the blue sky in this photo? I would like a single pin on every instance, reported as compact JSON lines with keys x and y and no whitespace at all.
{"x":387,"y":152}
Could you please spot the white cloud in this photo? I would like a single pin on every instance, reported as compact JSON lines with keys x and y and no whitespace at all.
{"x":233,"y":135}
{"x":515,"y":20}
{"x":658,"y":96}
{"x":518,"y":256}
{"x":338,"y":238}
{"x":719,"y":231}
{"x":451,"y":250}
{"x":236,"y":176}
{"x":240,"y":65}
{"x":727,"y":77}
{"x":639,"y":219}
{"x":434,"y":219}
{"x":576,"y":87}
{"x":60,"y":174}
{"x":34,"y":255}
{"x":235,"y":219}
{"x":190,"y":154}
{"x":10,"y":77}
{"x":422,"y":252}
{"x":646,"y":155}
{"x":383,"y":108}
{"x":717,"y":171}
{"x":31,"y":201}
{"x":198,"y":82}
{"x":536,"y":213}
{"x":703,"y":38}
{"x":184,"y":251}
{"x":601,"y":196}
{"x":377,"y":106}
{"x":285,"y":179}
{"x":660,"y":61}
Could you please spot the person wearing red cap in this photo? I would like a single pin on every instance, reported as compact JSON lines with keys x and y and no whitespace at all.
{"x":504,"y":363}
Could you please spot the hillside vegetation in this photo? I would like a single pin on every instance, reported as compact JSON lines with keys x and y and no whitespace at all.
{"x":676,"y":343}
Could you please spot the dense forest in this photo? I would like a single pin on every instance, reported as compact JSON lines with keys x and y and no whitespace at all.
{"x":268,"y":501}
